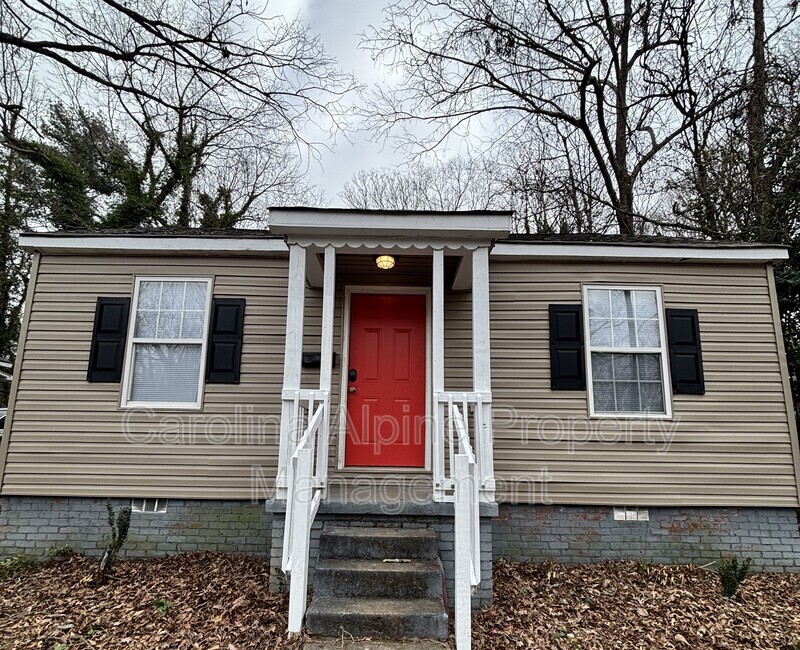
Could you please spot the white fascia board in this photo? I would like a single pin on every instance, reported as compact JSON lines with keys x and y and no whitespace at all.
{"x":146,"y":244}
{"x":632,"y":252}
{"x":483,"y":226}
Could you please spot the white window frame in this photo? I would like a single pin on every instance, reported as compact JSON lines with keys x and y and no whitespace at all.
{"x":127,"y":382}
{"x":149,"y":506}
{"x":666,"y":384}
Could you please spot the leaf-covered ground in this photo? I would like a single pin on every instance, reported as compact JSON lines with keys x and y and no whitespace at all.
{"x":181,"y":602}
{"x":214,"y":601}
{"x":625,"y":605}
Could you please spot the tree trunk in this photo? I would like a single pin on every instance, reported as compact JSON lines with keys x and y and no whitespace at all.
{"x":756,"y":129}
{"x":624,"y":207}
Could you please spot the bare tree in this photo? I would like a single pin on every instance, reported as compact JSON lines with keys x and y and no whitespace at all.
{"x":215,"y":124}
{"x":614,"y":76}
{"x":460,"y":183}
{"x":222,"y":42}
{"x":20,"y":205}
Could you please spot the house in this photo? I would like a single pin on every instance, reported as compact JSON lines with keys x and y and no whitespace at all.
{"x":403,"y":379}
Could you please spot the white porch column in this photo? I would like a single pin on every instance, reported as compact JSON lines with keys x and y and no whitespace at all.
{"x":437,"y":364}
{"x":326,"y":362}
{"x":481,"y":369}
{"x":292,"y":363}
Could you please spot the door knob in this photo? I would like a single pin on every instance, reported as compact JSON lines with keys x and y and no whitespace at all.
{"x":352,"y":389}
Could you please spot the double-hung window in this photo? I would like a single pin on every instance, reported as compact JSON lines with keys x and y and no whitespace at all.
{"x":626,"y":351}
{"x":169,"y":329}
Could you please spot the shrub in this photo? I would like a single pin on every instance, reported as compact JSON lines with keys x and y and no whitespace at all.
{"x":162,"y":605}
{"x":119,"y":533}
{"x":731,"y":574}
{"x":12,"y":565}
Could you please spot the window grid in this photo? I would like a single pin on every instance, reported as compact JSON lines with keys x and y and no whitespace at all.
{"x":593,"y":349}
{"x":152,"y":506}
{"x":134,"y":341}
{"x":638,"y":382}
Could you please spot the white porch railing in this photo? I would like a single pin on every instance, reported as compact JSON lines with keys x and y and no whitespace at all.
{"x":467,"y":526}
{"x":478,"y":407}
{"x":307,"y":480}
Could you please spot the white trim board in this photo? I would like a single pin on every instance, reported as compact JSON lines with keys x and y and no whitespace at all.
{"x":601,"y":251}
{"x":55,"y":243}
{"x":50,"y":243}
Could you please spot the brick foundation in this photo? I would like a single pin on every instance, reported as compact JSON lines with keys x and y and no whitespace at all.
{"x":34,"y":524}
{"x":578,"y":534}
{"x":566,"y":534}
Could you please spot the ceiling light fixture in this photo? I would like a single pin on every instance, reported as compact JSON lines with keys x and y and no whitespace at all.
{"x":385,"y":262}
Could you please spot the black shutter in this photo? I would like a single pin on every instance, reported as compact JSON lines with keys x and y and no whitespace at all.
{"x":567,"y":363}
{"x":108,"y":340}
{"x":223,"y":365}
{"x":685,"y":356}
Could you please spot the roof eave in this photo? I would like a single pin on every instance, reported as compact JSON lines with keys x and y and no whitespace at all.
{"x":145,"y":244}
{"x":598,"y":251}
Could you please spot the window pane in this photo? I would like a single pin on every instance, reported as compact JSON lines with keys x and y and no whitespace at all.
{"x":193,"y":324}
{"x":624,"y":334}
{"x":603,"y":396}
{"x":598,"y":304}
{"x":622,"y":304}
{"x":169,"y":325}
{"x":624,"y":367}
{"x":195,"y":295}
{"x":647,"y":331}
{"x":646,"y":304}
{"x":601,"y":366}
{"x":653,"y":397}
{"x":649,"y":367}
{"x":146,"y":324}
{"x":627,"y":396}
{"x":149,"y":293}
{"x":172,"y":295}
{"x":600,"y":332}
{"x":165,"y":373}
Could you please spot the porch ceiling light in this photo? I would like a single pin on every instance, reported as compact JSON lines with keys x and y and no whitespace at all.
{"x":385,"y":262}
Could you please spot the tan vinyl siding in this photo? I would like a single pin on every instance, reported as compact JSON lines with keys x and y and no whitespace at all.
{"x":68,"y":437}
{"x":731,"y":446}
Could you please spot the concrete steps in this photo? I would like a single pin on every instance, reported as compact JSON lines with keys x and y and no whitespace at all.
{"x":382,"y":583}
{"x":340,"y":578}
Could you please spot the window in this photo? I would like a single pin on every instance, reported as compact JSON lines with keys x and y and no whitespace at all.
{"x":166,"y":357}
{"x":153,"y":506}
{"x":629,"y":513}
{"x":626,"y":351}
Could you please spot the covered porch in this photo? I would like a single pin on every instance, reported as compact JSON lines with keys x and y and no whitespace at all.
{"x":386,"y":402}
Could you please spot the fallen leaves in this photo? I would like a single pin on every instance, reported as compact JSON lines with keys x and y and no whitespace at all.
{"x":634,"y":606}
{"x":216,"y":602}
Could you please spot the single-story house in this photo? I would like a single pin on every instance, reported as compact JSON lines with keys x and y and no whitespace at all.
{"x":371,"y":385}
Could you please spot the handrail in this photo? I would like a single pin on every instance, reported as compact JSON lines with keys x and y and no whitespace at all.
{"x":306,"y":484}
{"x":467,"y":527}
{"x":476,"y":406}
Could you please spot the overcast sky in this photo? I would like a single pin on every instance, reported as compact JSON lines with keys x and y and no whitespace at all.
{"x":339,"y":24}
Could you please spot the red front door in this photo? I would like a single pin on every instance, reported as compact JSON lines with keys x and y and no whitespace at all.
{"x":386,"y":381}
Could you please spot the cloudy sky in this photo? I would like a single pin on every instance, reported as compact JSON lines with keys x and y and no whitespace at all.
{"x":340,"y":24}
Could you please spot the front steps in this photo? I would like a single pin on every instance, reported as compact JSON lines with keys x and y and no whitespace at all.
{"x":384,"y":583}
